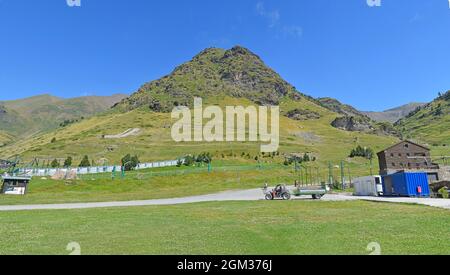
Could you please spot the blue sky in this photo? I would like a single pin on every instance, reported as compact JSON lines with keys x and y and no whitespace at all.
{"x":371,"y":57}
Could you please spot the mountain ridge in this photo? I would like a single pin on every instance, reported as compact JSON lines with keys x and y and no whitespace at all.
{"x":394,"y":114}
{"x":27,"y":116}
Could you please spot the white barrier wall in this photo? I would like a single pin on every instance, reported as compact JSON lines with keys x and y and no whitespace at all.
{"x":92,"y":170}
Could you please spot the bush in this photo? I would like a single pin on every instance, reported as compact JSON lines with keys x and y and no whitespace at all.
{"x":68,"y":162}
{"x":367,"y":153}
{"x":444,"y":192}
{"x":189,"y":160}
{"x":204,"y":158}
{"x":85,"y":162}
{"x":55,"y":163}
{"x":130,"y":162}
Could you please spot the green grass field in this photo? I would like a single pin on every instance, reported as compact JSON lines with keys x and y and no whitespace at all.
{"x":295,"y":227}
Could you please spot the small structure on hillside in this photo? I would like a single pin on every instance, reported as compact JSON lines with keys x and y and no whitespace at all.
{"x":15,"y":185}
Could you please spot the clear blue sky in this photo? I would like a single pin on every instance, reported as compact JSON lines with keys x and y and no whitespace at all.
{"x":373,"y":58}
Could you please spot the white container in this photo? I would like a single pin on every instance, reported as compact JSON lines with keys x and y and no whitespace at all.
{"x":368,"y":186}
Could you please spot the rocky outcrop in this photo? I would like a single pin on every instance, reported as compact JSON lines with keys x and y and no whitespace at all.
{"x":302,"y":115}
{"x":352,"y":124}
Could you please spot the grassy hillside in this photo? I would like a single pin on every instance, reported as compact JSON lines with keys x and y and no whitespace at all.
{"x":154,"y":141}
{"x":5,"y":139}
{"x":430,"y":123}
{"x":28,"y":116}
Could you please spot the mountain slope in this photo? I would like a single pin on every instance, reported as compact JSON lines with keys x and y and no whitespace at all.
{"x":338,"y":107}
{"x":45,"y":112}
{"x":395,"y":114}
{"x":430,"y":123}
{"x":214,"y":73}
{"x":234,"y":77}
{"x":354,"y":120}
{"x":5,"y":139}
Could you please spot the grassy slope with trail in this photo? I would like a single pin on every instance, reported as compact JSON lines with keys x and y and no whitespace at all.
{"x":155,"y":143}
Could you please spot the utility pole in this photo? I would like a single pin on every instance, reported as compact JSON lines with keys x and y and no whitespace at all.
{"x":342,"y":175}
{"x":330,"y":174}
{"x":349,"y":175}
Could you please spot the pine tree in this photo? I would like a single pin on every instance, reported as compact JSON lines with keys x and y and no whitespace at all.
{"x":68,"y":162}
{"x":85,"y":162}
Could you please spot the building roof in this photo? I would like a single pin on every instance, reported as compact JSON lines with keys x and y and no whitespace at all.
{"x":7,"y":177}
{"x":408,"y":141}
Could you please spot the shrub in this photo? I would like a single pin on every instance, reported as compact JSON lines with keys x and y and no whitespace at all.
{"x":68,"y":162}
{"x":130,"y":162}
{"x":359,"y":151}
{"x":85,"y":162}
{"x":55,"y":163}
{"x":444,"y":192}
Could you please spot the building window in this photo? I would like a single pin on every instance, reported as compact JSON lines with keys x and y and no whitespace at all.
{"x":392,"y":155}
{"x":408,"y":154}
{"x":400,"y":154}
{"x":407,"y":145}
{"x":393,"y":164}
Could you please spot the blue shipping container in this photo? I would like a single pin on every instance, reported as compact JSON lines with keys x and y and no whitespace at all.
{"x":406,"y":185}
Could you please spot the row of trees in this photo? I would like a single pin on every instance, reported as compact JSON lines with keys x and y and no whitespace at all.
{"x":190,"y":160}
{"x":298,"y":159}
{"x":128,"y":161}
{"x":365,"y":152}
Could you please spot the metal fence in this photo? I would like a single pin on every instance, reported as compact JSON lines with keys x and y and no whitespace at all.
{"x":49,"y":172}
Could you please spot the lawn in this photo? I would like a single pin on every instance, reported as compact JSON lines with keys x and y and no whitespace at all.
{"x":243,"y":228}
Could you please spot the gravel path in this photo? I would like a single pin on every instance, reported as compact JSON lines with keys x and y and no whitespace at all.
{"x":244,"y":195}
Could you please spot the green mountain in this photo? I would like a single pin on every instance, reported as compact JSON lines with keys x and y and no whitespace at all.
{"x":141,"y":123}
{"x":429,"y":123}
{"x":214,"y":72}
{"x":41,"y":113}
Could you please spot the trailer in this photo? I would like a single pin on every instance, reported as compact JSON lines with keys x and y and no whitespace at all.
{"x":285,"y":193}
{"x":316,"y":193}
{"x":368,"y":186}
